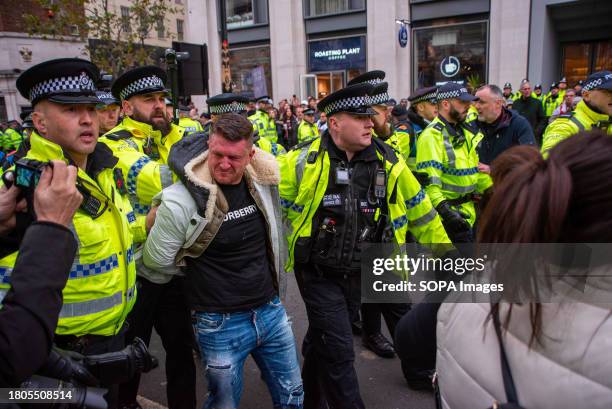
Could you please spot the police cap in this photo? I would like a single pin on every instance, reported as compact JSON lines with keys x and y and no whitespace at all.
{"x":452,"y":90}
{"x":424,"y":94}
{"x":507,"y":85}
{"x":354,"y":99}
{"x":379,"y":95}
{"x":138,"y":81}
{"x":265,"y":99}
{"x":308,"y":111}
{"x":598,"y":80}
{"x":63,"y":81}
{"x":538,"y":86}
{"x":373,"y":77}
{"x":226,"y":103}
{"x":106,"y":98}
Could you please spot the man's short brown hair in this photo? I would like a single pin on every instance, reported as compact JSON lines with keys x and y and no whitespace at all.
{"x":233,"y":127}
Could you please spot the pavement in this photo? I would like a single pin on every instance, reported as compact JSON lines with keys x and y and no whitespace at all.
{"x":381,"y":381}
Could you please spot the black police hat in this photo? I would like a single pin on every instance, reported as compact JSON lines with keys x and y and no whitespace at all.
{"x":63,"y":81}
{"x":563,"y":80}
{"x":554,"y":85}
{"x":264,"y":98}
{"x":225,"y":103}
{"x":507,"y":85}
{"x":308,"y":111}
{"x":581,"y":83}
{"x":452,"y":90}
{"x":598,"y":80}
{"x":371,"y":77}
{"x":427,"y":94}
{"x":106,"y":98}
{"x":138,"y":81}
{"x":538,"y":86}
{"x":379,"y":95}
{"x":184,"y":108}
{"x":25,"y":113}
{"x":354,"y":99}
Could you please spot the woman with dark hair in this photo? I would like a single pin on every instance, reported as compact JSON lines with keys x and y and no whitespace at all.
{"x":290,"y":125}
{"x":557,"y":354}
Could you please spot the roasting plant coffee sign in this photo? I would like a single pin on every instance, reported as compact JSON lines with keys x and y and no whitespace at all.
{"x":337,"y":54}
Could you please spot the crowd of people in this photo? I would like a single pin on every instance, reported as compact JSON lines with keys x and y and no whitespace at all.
{"x":190,"y":226}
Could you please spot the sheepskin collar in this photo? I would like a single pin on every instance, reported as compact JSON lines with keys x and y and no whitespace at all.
{"x":263,"y":170}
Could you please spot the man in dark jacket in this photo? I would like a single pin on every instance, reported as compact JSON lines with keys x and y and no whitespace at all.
{"x":31,"y":307}
{"x":502,"y":128}
{"x":531,"y":109}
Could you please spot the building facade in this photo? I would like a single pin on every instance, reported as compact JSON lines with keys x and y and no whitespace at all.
{"x":314,"y":47}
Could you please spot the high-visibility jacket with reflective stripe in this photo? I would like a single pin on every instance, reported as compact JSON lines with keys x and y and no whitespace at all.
{"x":472,"y":114}
{"x":400,"y":142}
{"x":264,"y":126}
{"x":452,"y":171}
{"x":101,"y":287}
{"x":270,"y":147}
{"x":143,"y":158}
{"x":582,"y":119}
{"x":307,"y":131}
{"x":190,"y":125}
{"x":550,"y":104}
{"x":12,"y":139}
{"x":303,"y":185}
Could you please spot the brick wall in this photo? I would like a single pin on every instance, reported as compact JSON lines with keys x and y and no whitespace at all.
{"x":11,"y":13}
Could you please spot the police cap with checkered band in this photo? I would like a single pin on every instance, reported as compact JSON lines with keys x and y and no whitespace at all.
{"x":371,"y":77}
{"x":379,"y":95}
{"x":63,"y":81}
{"x":427,"y":94}
{"x":354,"y":99}
{"x":598,"y":80}
{"x":226,"y":103}
{"x":139,"y":81}
{"x":452,"y":90}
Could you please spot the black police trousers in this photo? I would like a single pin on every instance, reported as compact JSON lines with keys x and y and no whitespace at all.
{"x":163,"y":307}
{"x":391,"y":312}
{"x":328,"y":373}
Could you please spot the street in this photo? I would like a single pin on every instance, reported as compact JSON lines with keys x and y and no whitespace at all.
{"x":381,"y":381}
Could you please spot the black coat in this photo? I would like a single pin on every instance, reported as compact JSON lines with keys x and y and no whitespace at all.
{"x":512,"y":130}
{"x":531,"y":108}
{"x":30,"y":310}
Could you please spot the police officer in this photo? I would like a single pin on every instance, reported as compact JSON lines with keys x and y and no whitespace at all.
{"x":108,"y":111}
{"x":552,"y":100}
{"x":186,"y":122}
{"x":338,"y":191}
{"x":538,"y":92}
{"x":593,"y":111}
{"x":423,"y":109}
{"x":101,"y":290}
{"x":562,"y":87}
{"x":446,"y":152}
{"x":262,"y":123}
{"x":507,"y":91}
{"x":12,"y":136}
{"x":230,"y":102}
{"x":142,"y":142}
{"x":307,"y":128}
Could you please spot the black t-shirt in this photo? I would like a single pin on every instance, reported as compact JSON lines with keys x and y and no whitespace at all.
{"x":234,"y":273}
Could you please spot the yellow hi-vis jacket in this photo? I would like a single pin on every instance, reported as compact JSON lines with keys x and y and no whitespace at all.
{"x":452,"y":169}
{"x":190,"y":125}
{"x":582,"y":119}
{"x":307,"y":131}
{"x":143,"y":156}
{"x":304,"y":181}
{"x":264,"y":126}
{"x":101,"y":287}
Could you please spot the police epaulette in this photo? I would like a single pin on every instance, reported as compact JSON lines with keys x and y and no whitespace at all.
{"x":437,"y":126}
{"x":567,"y":116}
{"x":302,"y":144}
{"x":119,"y":135}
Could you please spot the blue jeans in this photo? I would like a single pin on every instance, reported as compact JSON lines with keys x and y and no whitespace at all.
{"x":226,"y":340}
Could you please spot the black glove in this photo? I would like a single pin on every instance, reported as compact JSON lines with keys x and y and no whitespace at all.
{"x":453,"y":221}
{"x":67,"y":366}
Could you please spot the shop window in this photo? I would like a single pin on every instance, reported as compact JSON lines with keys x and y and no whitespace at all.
{"x":582,"y":59}
{"x":455,"y":52}
{"x":322,"y":7}
{"x":244,"y":13}
{"x":251,"y":71}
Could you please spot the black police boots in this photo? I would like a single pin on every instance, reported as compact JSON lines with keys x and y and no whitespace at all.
{"x":378,"y":344}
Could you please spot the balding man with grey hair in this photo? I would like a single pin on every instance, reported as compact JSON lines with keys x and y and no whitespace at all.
{"x":502,"y":127}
